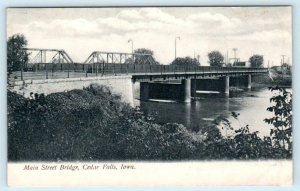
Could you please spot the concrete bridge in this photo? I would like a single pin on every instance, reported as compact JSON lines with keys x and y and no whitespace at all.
{"x":156,"y":81}
{"x":151,"y":81}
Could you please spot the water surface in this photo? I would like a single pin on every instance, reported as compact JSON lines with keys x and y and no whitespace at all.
{"x":251,"y":105}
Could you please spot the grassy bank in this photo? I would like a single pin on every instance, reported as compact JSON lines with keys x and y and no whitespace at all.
{"x":93,"y":124}
{"x":276,"y":80}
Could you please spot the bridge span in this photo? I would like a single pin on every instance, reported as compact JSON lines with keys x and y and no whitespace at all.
{"x":138,"y":72}
{"x":121,"y":71}
{"x":123,"y":78}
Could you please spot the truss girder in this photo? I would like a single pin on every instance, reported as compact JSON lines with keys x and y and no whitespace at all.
{"x":38,"y":55}
{"x":119,"y":58}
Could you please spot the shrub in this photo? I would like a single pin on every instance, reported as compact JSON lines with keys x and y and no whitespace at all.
{"x":94,"y":124}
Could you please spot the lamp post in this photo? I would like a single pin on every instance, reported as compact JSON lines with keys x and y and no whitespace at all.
{"x":130,"y":40}
{"x":198,"y":58}
{"x":178,"y":37}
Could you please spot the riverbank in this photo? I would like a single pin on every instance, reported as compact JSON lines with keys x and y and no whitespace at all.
{"x":275,"y":80}
{"x":93,"y":124}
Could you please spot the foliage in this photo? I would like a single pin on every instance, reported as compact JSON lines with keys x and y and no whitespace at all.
{"x":140,"y":59}
{"x":89,"y":124}
{"x":216,"y":58}
{"x":186,"y":62}
{"x":228,"y":65}
{"x":93,"y":124}
{"x":286,"y":65}
{"x":241,"y":144}
{"x":256,"y":61}
{"x":16,"y":57}
{"x":143,"y":51}
{"x":282,"y":120}
{"x":273,"y":78}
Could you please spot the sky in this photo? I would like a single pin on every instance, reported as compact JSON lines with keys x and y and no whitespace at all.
{"x":80,"y":31}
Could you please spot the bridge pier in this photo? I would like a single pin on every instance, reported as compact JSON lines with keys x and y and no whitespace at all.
{"x":249,"y":82}
{"x":186,"y":90}
{"x":226,"y":85}
{"x":193,"y":87}
{"x":144,"y":91}
{"x":243,"y":81}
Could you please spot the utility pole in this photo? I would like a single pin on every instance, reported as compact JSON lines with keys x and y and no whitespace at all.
{"x":227,"y":57}
{"x":282,"y":59}
{"x":234,"y":50}
{"x":178,"y":37}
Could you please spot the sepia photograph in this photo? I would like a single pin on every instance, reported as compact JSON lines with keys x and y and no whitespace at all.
{"x":113,"y":88}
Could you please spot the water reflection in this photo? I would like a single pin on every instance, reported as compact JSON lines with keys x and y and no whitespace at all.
{"x":187,"y":109}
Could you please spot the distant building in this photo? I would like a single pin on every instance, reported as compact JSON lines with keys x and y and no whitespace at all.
{"x":241,"y":64}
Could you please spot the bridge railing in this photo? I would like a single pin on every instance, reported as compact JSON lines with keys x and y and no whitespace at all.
{"x":68,"y":70}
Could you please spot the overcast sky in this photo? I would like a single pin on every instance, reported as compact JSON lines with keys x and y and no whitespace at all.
{"x":252,"y":30}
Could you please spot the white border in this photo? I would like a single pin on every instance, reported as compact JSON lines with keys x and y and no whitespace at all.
{"x":57,"y":3}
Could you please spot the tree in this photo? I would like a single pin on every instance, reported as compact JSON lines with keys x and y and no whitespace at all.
{"x":144,"y":59}
{"x":286,"y":68}
{"x":143,"y":51}
{"x":187,"y":61}
{"x":285,"y":65}
{"x":216,"y":58}
{"x":16,"y":56}
{"x":282,"y":120}
{"x":256,"y":61}
{"x":228,"y":65}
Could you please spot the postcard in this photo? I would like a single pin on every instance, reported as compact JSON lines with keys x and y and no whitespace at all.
{"x":149,"y":96}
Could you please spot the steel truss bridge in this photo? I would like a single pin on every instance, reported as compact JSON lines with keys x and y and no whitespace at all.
{"x":120,"y":58}
{"x":37,"y":56}
{"x":56,"y":63}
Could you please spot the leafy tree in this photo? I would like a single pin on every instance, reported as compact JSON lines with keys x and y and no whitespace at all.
{"x":286,"y":68}
{"x":256,"y":61}
{"x":16,"y":57}
{"x":241,"y":143}
{"x":216,"y":58}
{"x":143,"y":51}
{"x":187,"y":61}
{"x":144,"y":59}
{"x":282,"y":121}
{"x":285,"y":65}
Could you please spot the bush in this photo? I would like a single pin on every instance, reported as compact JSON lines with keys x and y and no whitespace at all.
{"x":93,"y":124}
{"x":89,"y":124}
{"x":282,"y":121}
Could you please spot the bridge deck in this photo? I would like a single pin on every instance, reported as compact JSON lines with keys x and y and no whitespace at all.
{"x":139,"y":72}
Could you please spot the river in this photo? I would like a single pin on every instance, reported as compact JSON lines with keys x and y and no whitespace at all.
{"x":251,"y":105}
